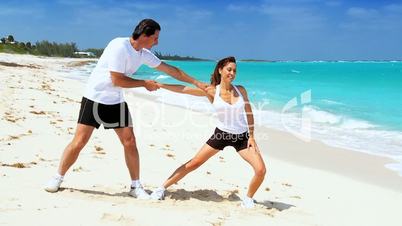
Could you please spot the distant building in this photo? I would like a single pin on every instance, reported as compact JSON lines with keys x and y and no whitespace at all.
{"x":89,"y":54}
{"x":4,"y":40}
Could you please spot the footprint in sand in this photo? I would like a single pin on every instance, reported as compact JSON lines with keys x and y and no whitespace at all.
{"x":11,"y":118}
{"x":120,"y":218}
{"x":286,"y":185}
{"x":17,"y":137}
{"x":42,"y":159}
{"x":15,"y":165}
{"x":11,"y":137}
{"x":70,"y":130}
{"x":295,"y":197}
{"x":99,"y":150}
{"x":218,"y":222}
{"x":38,"y":112}
{"x":80,"y":169}
{"x":19,"y":165}
{"x":221,"y":159}
{"x":170,"y":155}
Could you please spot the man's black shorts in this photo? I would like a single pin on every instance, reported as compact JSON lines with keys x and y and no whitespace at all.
{"x":220,"y":139}
{"x":110,"y":116}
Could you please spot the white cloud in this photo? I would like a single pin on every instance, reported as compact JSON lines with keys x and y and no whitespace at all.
{"x":294,"y":18}
{"x":19,"y":11}
{"x":292,"y":2}
{"x":362,"y":13}
{"x":241,"y":8}
{"x":144,"y":5}
{"x":114,"y":16}
{"x":394,"y":8}
{"x":387,"y":18}
{"x":75,"y":2}
{"x":136,"y":5}
{"x":16,"y":11}
{"x":333,"y":3}
{"x":192,"y":14}
{"x":286,"y":14}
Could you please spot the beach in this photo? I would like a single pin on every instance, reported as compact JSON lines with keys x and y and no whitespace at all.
{"x":307,"y":183}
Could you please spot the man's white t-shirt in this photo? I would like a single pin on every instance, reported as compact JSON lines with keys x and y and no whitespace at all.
{"x":118,"y":56}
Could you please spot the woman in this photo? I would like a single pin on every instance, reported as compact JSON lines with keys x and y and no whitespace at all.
{"x":232,"y":106}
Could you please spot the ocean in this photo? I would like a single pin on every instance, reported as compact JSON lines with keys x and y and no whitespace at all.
{"x":354,"y":105}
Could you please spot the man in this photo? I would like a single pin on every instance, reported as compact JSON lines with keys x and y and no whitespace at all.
{"x":103,"y":101}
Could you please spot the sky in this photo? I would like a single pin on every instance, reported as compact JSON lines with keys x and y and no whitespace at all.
{"x":261,"y":29}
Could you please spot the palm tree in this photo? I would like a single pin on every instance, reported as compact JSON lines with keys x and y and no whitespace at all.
{"x":10,"y":38}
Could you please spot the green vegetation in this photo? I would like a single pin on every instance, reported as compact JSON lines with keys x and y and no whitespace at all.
{"x":254,"y":60}
{"x":177,"y":57}
{"x":11,"y":48}
{"x":46,"y":48}
{"x":43,"y":48}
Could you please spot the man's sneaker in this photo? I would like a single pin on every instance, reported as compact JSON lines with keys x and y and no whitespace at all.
{"x":53,"y":184}
{"x":158,"y":194}
{"x":139,"y":193}
{"x":247,"y":202}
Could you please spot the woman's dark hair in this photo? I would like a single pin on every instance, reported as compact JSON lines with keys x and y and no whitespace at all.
{"x":216,"y":77}
{"x":147,"y":27}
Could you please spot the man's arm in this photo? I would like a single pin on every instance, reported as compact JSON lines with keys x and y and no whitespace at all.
{"x":119,"y":79}
{"x":180,"y":75}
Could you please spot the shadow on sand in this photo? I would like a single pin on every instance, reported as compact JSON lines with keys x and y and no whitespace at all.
{"x":210,"y":195}
{"x":203,"y":195}
{"x":92,"y":192}
{"x":280,"y":206}
{"x":181,"y":194}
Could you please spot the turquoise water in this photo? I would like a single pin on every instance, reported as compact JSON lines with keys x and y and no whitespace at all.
{"x":353,"y":105}
{"x":369,"y":91}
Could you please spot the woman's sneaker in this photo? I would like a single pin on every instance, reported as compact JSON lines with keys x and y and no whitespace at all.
{"x":53,"y":185}
{"x":247,"y":202}
{"x":158,"y":194}
{"x":139,"y":193}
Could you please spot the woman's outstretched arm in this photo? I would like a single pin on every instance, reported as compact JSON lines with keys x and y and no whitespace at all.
{"x":184,"y":89}
{"x":209,"y":91}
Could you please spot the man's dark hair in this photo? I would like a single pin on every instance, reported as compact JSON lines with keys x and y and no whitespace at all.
{"x":147,"y":27}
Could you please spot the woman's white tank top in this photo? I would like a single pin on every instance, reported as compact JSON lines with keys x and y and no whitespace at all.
{"x":231,"y":117}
